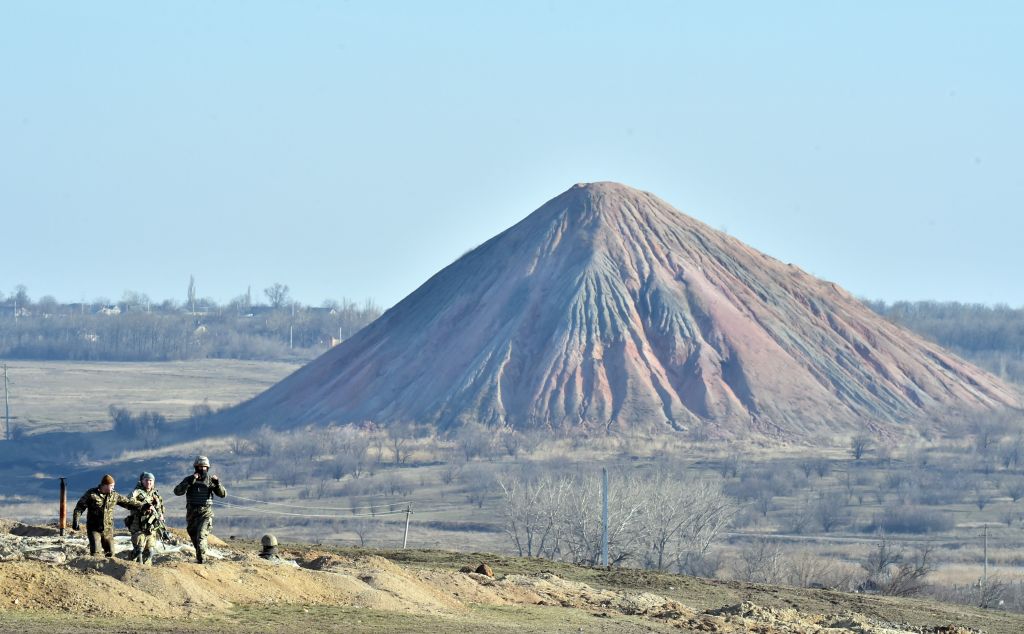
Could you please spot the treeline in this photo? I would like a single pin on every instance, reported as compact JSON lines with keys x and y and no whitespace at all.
{"x":991,"y":337}
{"x":136,"y":329}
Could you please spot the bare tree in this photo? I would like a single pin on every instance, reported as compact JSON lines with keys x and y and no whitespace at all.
{"x":1011,"y":452}
{"x":265,"y":441}
{"x":277,"y":294}
{"x":474,"y":440}
{"x":512,"y":441}
{"x":1013,"y":488}
{"x":680,"y":517}
{"x":363,"y":528}
{"x":532,"y":505}
{"x":830,"y":510}
{"x":891,"y":571}
{"x":760,"y":561}
{"x":399,"y":436}
{"x":807,"y":570}
{"x":859,"y":444}
{"x":657,"y":519}
{"x":988,"y":432}
{"x":730,"y":464}
{"x":981,"y":494}
{"x":378,"y":440}
{"x":582,"y":520}
{"x":479,"y":484}
{"x":351,"y":452}
{"x":199,"y":415}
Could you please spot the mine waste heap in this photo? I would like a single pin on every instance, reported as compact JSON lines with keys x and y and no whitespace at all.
{"x":608,"y":310}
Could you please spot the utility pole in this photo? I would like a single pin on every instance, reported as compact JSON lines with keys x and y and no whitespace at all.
{"x":405,"y":540}
{"x":984,"y":574}
{"x":604,"y":517}
{"x":7,"y":408}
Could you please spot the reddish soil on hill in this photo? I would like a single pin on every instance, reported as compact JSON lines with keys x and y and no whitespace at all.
{"x":608,"y":309}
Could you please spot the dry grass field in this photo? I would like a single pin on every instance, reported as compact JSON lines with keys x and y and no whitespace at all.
{"x":75,"y":396}
{"x":290,"y":489}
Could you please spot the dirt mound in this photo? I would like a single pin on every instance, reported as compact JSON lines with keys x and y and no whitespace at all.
{"x":749,"y":617}
{"x":53,"y":574}
{"x":24,"y":530}
{"x":183,"y":537}
{"x":549,"y":589}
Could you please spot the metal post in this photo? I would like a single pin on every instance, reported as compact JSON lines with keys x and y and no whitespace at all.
{"x":290,"y":346}
{"x":604,"y":517}
{"x":62,"y":519}
{"x":405,"y":540}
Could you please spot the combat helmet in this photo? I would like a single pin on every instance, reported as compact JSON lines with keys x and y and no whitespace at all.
{"x":268,"y":541}
{"x":201,"y":461}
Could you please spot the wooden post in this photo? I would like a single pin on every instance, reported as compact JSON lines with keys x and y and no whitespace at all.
{"x":62,"y":518}
{"x":7,"y":409}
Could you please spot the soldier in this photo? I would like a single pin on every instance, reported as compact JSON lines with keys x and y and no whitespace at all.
{"x":146,"y":528}
{"x":199,"y":489}
{"x":269,"y":552}
{"x":99,"y":523}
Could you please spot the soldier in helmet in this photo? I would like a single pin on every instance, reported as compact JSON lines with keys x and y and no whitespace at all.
{"x":269,"y":552}
{"x":199,"y":489}
{"x":146,"y":528}
{"x":99,"y":522}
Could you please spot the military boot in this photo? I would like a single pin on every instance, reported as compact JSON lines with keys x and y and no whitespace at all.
{"x":199,"y":556}
{"x":147,"y":557}
{"x":136,"y":555}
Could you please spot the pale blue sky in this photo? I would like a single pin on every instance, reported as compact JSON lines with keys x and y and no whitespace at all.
{"x":355,"y":148}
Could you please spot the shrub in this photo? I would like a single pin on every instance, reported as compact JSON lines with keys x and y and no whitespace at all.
{"x":910,"y":519}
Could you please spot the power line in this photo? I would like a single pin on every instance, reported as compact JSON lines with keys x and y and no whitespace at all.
{"x":240,"y":507}
{"x":336,"y":508}
{"x":307,"y":515}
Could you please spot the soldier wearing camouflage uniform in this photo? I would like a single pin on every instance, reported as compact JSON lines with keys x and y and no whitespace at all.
{"x":199,"y":489}
{"x":269,"y":552}
{"x":146,"y":528}
{"x":100,"y":502}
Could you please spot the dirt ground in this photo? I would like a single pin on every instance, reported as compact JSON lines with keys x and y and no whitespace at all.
{"x":49,"y":583}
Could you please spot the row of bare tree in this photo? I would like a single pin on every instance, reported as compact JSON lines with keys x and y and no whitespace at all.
{"x":663,"y":520}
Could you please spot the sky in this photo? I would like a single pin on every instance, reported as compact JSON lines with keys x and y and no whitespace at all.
{"x":353,"y":149}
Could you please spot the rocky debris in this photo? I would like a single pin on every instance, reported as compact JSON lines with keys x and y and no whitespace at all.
{"x":40,"y":543}
{"x":484,"y":569}
{"x":550,"y":589}
{"x":750,"y":617}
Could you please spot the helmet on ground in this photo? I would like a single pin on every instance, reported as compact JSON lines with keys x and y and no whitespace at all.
{"x":268,"y":541}
{"x":201,"y":461}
